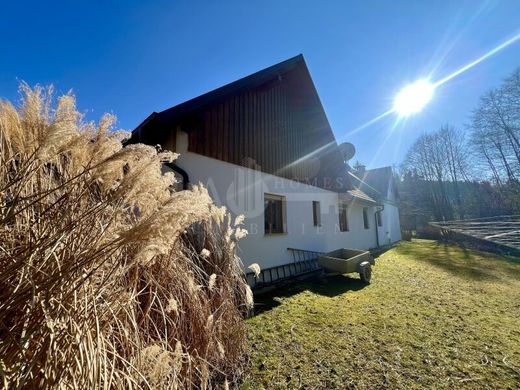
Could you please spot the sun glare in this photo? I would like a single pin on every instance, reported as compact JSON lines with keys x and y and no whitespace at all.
{"x":413,"y":98}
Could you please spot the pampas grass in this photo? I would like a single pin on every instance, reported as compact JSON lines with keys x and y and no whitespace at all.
{"x":108,"y":278}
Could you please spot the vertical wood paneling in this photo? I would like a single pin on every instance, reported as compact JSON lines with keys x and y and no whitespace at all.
{"x":274,"y":124}
{"x":220,"y":133}
{"x":273,"y":129}
{"x":225,"y":130}
{"x":264,"y":129}
{"x":205,"y":144}
{"x":214,"y":139}
{"x":256,"y":128}
{"x":235,"y":136}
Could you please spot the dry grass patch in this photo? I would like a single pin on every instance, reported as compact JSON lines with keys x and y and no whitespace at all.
{"x":109,"y":279}
{"x":435,"y":316}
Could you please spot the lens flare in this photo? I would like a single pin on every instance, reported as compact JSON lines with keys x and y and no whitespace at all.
{"x":413,"y":98}
{"x":478,"y":60}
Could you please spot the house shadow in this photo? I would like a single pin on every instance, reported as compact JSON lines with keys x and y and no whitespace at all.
{"x":329,"y":286}
{"x":378,"y":251}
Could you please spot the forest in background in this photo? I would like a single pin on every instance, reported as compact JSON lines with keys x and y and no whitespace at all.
{"x":466,"y":173}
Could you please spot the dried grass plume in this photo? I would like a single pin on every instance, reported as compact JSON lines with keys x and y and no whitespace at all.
{"x":109,"y":279}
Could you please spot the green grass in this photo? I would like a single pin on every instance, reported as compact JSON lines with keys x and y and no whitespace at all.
{"x":435,"y":316}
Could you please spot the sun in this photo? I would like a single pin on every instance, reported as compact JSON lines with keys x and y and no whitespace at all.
{"x":413,"y":97}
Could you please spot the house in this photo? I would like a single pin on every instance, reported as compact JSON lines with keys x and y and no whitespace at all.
{"x":380,"y":184}
{"x":264,"y":148}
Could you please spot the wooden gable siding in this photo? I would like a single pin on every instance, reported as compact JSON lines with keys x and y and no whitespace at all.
{"x":249,"y":127}
{"x":268,"y":128}
{"x":272,"y":120}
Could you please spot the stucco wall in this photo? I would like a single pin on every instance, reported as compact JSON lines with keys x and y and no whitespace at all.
{"x":242,"y":191}
{"x":391,"y":230}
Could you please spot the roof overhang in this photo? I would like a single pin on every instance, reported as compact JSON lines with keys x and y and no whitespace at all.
{"x":357,"y":196}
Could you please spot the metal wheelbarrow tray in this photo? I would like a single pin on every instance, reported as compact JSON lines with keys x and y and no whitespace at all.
{"x":346,"y":261}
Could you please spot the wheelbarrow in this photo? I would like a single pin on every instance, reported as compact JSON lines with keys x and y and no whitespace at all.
{"x":347,"y":261}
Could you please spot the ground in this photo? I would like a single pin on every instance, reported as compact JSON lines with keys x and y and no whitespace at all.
{"x":435,"y":316}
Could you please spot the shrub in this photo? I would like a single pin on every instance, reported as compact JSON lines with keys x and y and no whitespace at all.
{"x":406,"y":235}
{"x":428,"y":232}
{"x":109,"y":279}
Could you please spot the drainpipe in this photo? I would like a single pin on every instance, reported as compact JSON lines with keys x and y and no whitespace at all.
{"x":182,"y":172}
{"x":375,"y":222}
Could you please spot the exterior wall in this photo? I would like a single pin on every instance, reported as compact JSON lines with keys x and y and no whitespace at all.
{"x":242,"y":191}
{"x":390,"y":232}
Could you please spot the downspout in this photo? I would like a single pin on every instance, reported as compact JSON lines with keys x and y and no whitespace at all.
{"x":182,"y":172}
{"x":376,"y":224}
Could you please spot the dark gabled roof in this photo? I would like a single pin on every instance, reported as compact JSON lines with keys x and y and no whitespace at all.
{"x":251,"y":81}
{"x":374,"y":182}
{"x":379,"y":178}
{"x":364,"y":186}
{"x":312,"y":136}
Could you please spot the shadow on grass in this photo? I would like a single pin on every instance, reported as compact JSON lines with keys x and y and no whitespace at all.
{"x":376,"y":252}
{"x":329,"y":286}
{"x":459,"y":260}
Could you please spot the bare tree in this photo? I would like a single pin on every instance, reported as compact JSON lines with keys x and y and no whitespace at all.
{"x":426,"y":158}
{"x":495,"y":130}
{"x":444,"y":162}
{"x":454,"y":151}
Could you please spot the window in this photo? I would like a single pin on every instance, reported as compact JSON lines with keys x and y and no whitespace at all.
{"x":316,"y":217}
{"x":343,"y":218}
{"x":379,"y":218}
{"x":365,"y":218}
{"x":274,"y":209}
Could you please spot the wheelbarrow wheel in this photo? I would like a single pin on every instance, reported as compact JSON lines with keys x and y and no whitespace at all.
{"x":365,"y":273}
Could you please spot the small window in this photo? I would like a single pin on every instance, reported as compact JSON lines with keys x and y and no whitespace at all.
{"x":365,"y":218}
{"x":316,"y":217}
{"x":379,"y":218}
{"x":343,"y":217}
{"x":274,"y":209}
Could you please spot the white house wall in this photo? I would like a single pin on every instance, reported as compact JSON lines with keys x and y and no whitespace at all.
{"x":391,"y":230}
{"x":242,"y":191}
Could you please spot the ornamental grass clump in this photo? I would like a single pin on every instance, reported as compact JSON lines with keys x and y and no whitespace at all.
{"x":109,"y":279}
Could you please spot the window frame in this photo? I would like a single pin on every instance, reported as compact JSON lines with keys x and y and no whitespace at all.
{"x":343,"y":212}
{"x":379,"y":218}
{"x":269,"y":199}
{"x":316,"y":213}
{"x":366,"y":221}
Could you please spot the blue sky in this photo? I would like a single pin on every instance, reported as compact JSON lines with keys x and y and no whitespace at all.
{"x":134,"y":57}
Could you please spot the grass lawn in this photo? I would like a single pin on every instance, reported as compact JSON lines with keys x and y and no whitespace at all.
{"x":435,"y":316}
